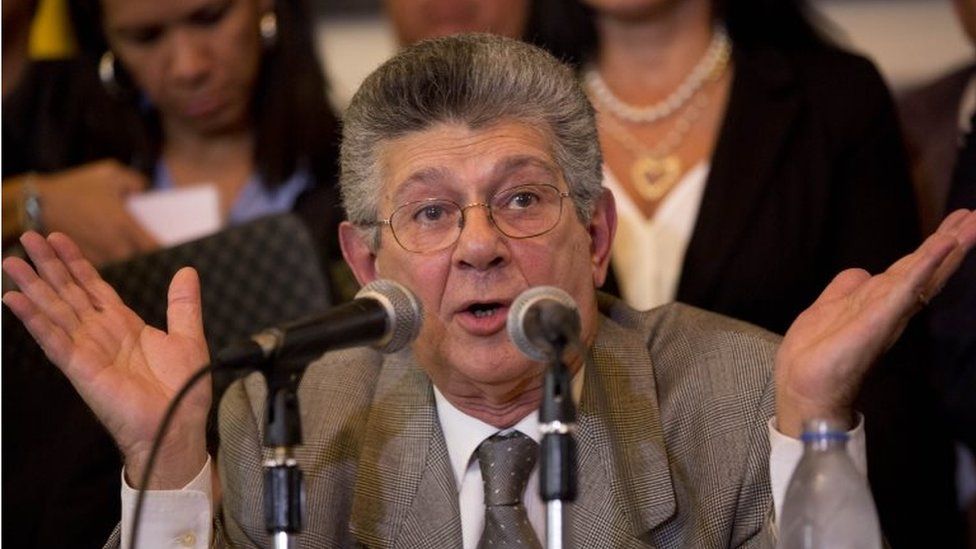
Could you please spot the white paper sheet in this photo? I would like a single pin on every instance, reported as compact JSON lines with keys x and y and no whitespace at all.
{"x":175,"y":216}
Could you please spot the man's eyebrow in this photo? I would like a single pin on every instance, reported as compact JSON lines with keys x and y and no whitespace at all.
{"x":436,"y":177}
{"x":515,"y":163}
{"x":425,"y":177}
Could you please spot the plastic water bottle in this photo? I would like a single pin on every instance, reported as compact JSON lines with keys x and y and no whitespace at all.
{"x":828,"y":503}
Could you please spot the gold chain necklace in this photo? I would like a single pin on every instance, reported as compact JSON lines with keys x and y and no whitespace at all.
{"x":656,"y":170}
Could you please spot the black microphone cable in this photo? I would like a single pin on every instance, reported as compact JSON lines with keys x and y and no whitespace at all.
{"x":158,"y":439}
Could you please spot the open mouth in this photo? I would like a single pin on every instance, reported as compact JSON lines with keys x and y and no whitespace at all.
{"x":483,"y":318}
{"x":484,"y":310}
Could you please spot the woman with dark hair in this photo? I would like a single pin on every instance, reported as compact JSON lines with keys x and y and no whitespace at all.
{"x":751,"y":159}
{"x":169,"y":95}
{"x":164,"y":94}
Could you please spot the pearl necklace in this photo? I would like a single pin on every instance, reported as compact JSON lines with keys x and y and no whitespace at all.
{"x":656,"y":170}
{"x":714,"y":59}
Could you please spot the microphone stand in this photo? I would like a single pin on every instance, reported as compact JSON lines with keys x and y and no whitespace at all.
{"x":284,"y":484}
{"x":557,"y":468}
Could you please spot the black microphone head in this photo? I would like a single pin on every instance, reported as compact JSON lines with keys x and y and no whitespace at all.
{"x":404,"y":312}
{"x":531,"y":307}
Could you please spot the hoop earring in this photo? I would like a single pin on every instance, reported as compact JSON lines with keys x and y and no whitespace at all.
{"x":106,"y":72}
{"x":268,"y":25}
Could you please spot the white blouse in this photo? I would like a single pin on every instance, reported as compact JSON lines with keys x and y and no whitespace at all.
{"x":648,"y":253}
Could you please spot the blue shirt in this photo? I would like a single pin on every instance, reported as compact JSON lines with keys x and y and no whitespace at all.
{"x":254,"y":200}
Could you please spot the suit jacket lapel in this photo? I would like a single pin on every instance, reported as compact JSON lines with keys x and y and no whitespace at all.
{"x":405,"y":494}
{"x":759,"y":115}
{"x":625,"y":483}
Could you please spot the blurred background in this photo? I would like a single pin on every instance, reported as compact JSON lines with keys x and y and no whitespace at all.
{"x":911,"y":41}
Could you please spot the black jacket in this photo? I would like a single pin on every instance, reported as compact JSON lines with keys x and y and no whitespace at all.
{"x":809,"y":177}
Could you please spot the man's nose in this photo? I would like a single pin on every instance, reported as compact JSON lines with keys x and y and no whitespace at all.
{"x":480,"y":245}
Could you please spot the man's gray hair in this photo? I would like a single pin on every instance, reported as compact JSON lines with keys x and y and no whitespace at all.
{"x":476,"y":80}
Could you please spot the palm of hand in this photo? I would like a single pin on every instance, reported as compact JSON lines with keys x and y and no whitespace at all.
{"x":120,"y":364}
{"x":126,"y":371}
{"x":831,"y":346}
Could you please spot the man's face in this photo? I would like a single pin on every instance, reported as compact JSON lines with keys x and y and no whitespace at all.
{"x":466,"y":289}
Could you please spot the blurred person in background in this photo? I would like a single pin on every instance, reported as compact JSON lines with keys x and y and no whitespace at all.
{"x":940,"y":125}
{"x":172,"y":95}
{"x":162,"y":95}
{"x":550,"y":24}
{"x":750,"y":158}
{"x":416,"y":20}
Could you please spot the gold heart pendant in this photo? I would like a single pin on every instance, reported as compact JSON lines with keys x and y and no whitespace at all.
{"x":654,"y":177}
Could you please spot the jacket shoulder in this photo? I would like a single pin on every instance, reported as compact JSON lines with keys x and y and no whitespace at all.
{"x":681,"y":324}
{"x":700,"y":356}
{"x":334,"y":399}
{"x":338,"y":385}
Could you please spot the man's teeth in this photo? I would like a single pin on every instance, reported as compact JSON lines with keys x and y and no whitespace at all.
{"x":482,"y":313}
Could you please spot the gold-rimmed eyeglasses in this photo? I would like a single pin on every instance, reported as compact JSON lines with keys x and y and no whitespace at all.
{"x":433,"y":224}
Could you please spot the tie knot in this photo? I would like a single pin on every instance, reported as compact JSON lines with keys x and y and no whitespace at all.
{"x":506,"y":463}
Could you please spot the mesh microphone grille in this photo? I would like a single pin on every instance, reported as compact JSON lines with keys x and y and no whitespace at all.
{"x":404,"y":312}
{"x":516,"y":318}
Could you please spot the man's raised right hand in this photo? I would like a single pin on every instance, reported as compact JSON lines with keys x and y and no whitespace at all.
{"x":126,"y":371}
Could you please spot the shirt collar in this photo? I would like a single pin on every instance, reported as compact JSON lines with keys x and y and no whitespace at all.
{"x":463,"y":433}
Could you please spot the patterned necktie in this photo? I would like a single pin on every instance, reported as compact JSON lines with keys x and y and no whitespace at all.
{"x":506,"y":462}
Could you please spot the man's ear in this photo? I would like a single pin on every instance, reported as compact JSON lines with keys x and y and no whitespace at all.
{"x":357,"y":252}
{"x":603,"y":225}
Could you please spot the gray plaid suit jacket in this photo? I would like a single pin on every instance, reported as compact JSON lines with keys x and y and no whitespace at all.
{"x":673,"y":450}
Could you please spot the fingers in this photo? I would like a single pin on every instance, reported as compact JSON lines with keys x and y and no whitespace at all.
{"x":100,"y":293}
{"x":844,"y":284}
{"x":926,"y":270}
{"x":961,"y":226}
{"x":88,"y":203}
{"x":914,"y":279}
{"x":53,"y":340}
{"x":117,"y":238}
{"x":953,"y":221}
{"x":917,"y":268}
{"x":183,"y":313}
{"x":127,"y":180}
{"x":130,"y":182}
{"x":38,"y":290}
{"x":60,"y":299}
{"x":53,"y":270}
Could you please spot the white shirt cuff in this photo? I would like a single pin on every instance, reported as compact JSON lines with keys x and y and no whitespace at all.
{"x":171,"y":518}
{"x":785,"y":454}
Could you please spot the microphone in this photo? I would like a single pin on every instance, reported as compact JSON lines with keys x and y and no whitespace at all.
{"x":384,"y":314}
{"x":543,"y":321}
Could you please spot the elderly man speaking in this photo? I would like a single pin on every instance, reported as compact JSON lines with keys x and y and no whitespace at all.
{"x":471,"y":172}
